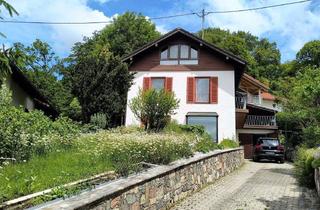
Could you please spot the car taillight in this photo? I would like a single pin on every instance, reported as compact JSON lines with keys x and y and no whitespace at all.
{"x":258,"y":147}
{"x":280,"y":148}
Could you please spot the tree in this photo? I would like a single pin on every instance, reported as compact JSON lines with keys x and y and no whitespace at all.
{"x":44,"y":69}
{"x":309,"y":55}
{"x":127,"y":33}
{"x":301,"y":112}
{"x":262,"y":56}
{"x":4,"y":60}
{"x":298,"y":88}
{"x":153,"y":108}
{"x":39,"y":56}
{"x":100,"y":82}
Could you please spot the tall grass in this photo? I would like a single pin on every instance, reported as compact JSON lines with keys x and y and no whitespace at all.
{"x":120,"y":149}
{"x":54,"y":169}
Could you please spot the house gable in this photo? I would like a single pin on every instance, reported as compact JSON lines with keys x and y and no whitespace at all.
{"x":210,"y":57}
{"x":149,"y":60}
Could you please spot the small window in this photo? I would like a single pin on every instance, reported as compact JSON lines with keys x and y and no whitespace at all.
{"x":174,"y":51}
{"x":194,"y":54}
{"x":164,"y":54}
{"x":184,"y":51}
{"x":169,"y":62}
{"x":210,"y":123}
{"x":202,"y":90}
{"x":188,"y":62}
{"x":157,"y":83}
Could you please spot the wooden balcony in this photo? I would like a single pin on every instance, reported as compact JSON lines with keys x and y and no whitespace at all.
{"x":241,"y":102}
{"x":258,"y":121}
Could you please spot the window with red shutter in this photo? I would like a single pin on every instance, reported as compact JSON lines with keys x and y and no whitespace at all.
{"x":190,"y":90}
{"x":146,"y":83}
{"x":168,"y":84}
{"x":214,"y":90}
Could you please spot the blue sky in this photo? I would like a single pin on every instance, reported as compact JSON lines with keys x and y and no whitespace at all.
{"x":290,"y":27}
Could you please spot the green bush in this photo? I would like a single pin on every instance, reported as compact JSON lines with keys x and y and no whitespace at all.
{"x":303,"y":170}
{"x":99,"y":120}
{"x":228,"y":143}
{"x":205,"y":145}
{"x":173,"y":126}
{"x":154,"y":108}
{"x":74,"y":110}
{"x":23,"y":134}
{"x":127,"y":155}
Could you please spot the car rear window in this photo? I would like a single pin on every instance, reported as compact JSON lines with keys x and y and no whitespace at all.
{"x":269,"y":142}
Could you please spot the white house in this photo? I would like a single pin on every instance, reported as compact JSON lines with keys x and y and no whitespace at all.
{"x":203,"y":77}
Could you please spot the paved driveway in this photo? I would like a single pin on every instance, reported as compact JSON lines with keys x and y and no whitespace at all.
{"x":255,"y":186}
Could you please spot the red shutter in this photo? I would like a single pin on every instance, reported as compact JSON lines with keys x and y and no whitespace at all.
{"x":190,"y":90}
{"x":146,"y":83}
{"x":168,"y":84}
{"x":214,"y":90}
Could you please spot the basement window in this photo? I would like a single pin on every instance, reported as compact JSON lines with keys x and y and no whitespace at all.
{"x":209,"y":120}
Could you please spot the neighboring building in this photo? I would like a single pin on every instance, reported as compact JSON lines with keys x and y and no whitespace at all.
{"x":255,"y":112}
{"x":203,"y":77}
{"x":210,"y":84}
{"x":25,"y":94}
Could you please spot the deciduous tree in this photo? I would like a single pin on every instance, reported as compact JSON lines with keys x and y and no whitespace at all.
{"x":100,"y":81}
{"x":262,"y":56}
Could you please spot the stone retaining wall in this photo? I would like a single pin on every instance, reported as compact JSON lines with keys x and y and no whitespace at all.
{"x":159,"y":187}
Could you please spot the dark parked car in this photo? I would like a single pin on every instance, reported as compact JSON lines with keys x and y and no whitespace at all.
{"x":268,"y":148}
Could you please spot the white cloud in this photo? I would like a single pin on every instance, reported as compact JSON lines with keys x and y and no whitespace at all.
{"x":101,"y":1}
{"x":61,"y":37}
{"x":292,"y":25}
{"x":162,"y":29}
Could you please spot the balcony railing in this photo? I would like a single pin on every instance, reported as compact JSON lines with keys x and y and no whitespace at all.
{"x":260,"y":121}
{"x":254,"y":99}
{"x":241,"y":102}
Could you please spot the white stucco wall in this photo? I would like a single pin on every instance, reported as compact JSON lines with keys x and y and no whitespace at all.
{"x":226,"y":98}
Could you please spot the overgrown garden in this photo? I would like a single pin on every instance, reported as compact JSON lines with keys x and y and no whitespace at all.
{"x":89,"y":89}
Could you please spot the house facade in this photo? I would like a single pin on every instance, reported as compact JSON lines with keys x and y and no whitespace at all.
{"x":255,"y":113}
{"x":203,"y":77}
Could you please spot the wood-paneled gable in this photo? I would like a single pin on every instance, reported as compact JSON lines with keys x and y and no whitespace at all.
{"x":149,"y":60}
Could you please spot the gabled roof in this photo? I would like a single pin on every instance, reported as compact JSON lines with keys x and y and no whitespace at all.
{"x":42,"y":101}
{"x":255,"y":82}
{"x":225,"y":53}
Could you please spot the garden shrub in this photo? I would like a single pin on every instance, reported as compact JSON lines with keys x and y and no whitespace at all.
{"x":173,"y":126}
{"x":154,"y":108}
{"x":228,"y":143}
{"x":303,"y":170}
{"x":127,"y":154}
{"x":99,"y":120}
{"x":23,"y":134}
{"x":205,"y":145}
{"x":127,"y":158}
